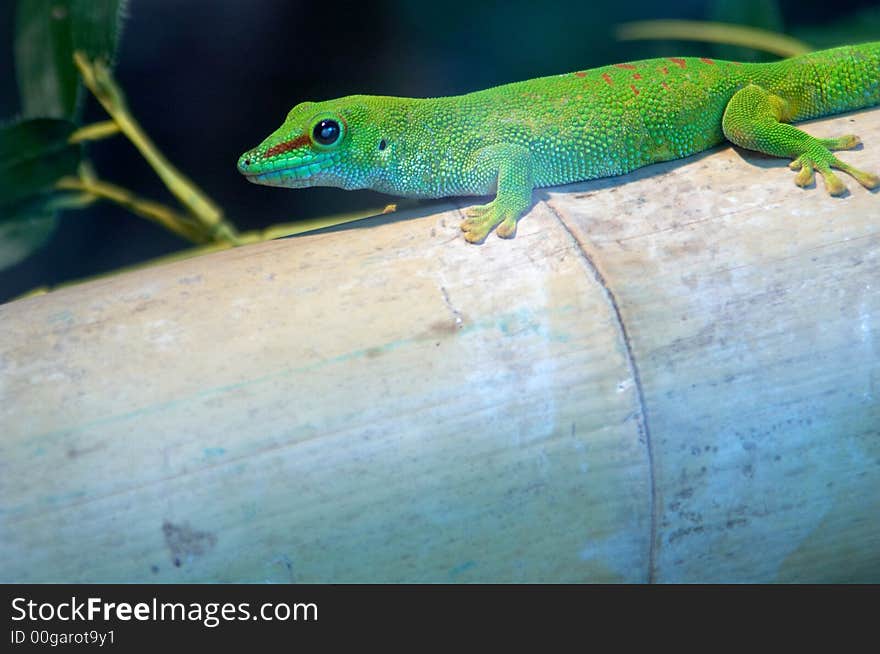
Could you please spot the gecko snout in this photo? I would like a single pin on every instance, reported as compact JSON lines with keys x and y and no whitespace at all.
{"x":244,"y":163}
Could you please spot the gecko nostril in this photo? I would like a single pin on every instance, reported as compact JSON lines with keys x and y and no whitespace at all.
{"x":247,"y":162}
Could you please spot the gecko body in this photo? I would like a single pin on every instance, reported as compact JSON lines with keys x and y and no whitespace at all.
{"x":601,"y":122}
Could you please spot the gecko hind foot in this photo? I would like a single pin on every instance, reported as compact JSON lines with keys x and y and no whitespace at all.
{"x":481,"y":219}
{"x":808,"y":164}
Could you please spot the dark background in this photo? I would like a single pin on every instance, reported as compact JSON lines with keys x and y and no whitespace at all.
{"x":209,"y":79}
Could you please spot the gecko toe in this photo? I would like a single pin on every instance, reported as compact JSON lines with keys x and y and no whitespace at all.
{"x":845,"y":142}
{"x":479,"y":223}
{"x":507,"y":229}
{"x":868,"y":180}
{"x":833,"y":185}
{"x":805,"y":177}
{"x":477,"y":211}
{"x":475,"y":236}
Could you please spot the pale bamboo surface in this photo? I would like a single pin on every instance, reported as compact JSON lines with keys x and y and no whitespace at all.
{"x":670,"y":376}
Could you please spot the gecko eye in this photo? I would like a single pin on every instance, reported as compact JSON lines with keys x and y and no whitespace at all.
{"x":326,"y":132}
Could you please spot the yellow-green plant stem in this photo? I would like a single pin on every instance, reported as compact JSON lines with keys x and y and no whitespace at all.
{"x":694,"y":30}
{"x":98,"y":79}
{"x":95,"y":132}
{"x":160,"y":214}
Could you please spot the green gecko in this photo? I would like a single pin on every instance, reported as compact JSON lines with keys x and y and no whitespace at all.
{"x":566,"y":128}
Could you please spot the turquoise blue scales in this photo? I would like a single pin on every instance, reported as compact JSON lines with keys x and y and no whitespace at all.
{"x":555,"y":130}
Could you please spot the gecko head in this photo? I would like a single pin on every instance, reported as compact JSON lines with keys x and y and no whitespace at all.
{"x":319,"y":144}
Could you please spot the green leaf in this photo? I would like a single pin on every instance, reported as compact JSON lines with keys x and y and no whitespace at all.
{"x":96,"y":25}
{"x":27,"y":139}
{"x":31,"y":228}
{"x":47,"y":79}
{"x":27,"y":225}
{"x":34,"y":155}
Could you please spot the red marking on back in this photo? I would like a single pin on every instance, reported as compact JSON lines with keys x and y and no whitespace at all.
{"x":633,"y":87}
{"x":737,"y":63}
{"x":665,"y":85}
{"x":607,"y":78}
{"x":636,"y":76}
{"x":664,"y":70}
{"x":707,"y":61}
{"x":580,"y":74}
{"x":681,"y":63}
{"x":625,"y":66}
{"x":287,"y":146}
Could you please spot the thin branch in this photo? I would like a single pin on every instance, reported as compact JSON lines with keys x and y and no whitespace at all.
{"x":728,"y":34}
{"x":99,"y":80}
{"x":158,"y":213}
{"x":94,"y":132}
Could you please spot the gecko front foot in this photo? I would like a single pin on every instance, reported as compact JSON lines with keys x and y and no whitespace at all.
{"x":481,"y":219}
{"x":822,"y":161}
{"x":510,"y":166}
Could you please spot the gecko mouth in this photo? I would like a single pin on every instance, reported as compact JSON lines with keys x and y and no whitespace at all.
{"x":284,"y":172}
{"x":282,"y":176}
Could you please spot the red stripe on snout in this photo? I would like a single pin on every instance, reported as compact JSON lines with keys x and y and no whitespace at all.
{"x":287,"y":146}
